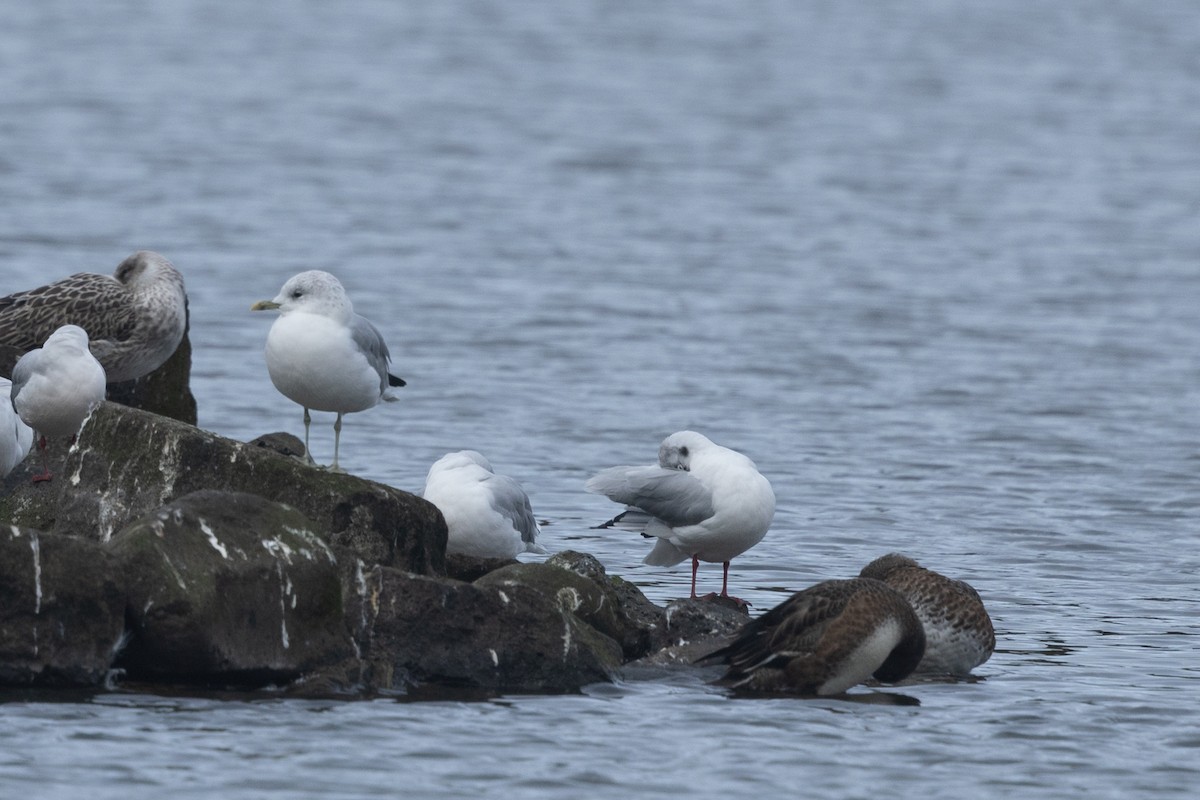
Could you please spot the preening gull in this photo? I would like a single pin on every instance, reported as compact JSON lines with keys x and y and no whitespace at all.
{"x":958,"y":630}
{"x":487,"y":515}
{"x":701,"y":501}
{"x":15,"y":436}
{"x":825,"y":639}
{"x":135,"y":318}
{"x":322,"y":355}
{"x":56,"y":387}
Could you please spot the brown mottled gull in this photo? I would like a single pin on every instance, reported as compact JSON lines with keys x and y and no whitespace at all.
{"x":134,"y":318}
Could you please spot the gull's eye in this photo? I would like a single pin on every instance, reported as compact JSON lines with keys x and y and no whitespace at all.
{"x":297,"y":294}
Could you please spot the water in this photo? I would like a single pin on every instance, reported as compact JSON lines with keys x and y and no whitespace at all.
{"x":934,"y":266}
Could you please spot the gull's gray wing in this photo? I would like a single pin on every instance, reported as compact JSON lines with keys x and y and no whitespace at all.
{"x":672,"y":495}
{"x":21,"y":374}
{"x":370,"y":341}
{"x":510,"y":500}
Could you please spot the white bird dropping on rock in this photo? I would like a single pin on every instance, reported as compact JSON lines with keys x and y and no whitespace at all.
{"x":701,"y":501}
{"x":56,"y":387}
{"x":487,"y":515}
{"x":322,"y":355}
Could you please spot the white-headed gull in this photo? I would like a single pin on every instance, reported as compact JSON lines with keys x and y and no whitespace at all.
{"x":55,"y":388}
{"x":703,"y":502}
{"x":135,"y":318}
{"x":322,"y":355}
{"x":487,"y":515}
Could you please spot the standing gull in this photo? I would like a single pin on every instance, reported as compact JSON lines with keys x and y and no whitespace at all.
{"x":134,"y":318}
{"x":825,"y":639}
{"x":487,"y":515}
{"x":56,"y":387}
{"x":701,"y":501}
{"x":958,"y":630}
{"x":15,"y":436}
{"x":322,"y":355}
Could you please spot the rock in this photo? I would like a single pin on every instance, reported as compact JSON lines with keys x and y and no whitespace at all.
{"x":463,"y":567}
{"x":61,"y":609}
{"x":130,"y":462}
{"x":414,"y":630}
{"x":643,"y":625}
{"x":696,"y":627}
{"x":229,"y":588}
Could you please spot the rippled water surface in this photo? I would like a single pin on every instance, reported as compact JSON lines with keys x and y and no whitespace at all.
{"x":935,"y":266}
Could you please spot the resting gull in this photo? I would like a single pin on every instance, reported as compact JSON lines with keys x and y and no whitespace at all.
{"x":825,"y":639}
{"x":487,"y":515}
{"x":55,"y":388}
{"x":134,"y":318}
{"x":701,"y":501}
{"x":958,"y":630}
{"x":15,"y":436}
{"x":322,"y":355}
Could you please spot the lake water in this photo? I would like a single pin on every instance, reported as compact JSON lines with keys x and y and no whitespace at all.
{"x":935,"y":266}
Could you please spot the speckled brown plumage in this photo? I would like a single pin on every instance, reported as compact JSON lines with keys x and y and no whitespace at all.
{"x":825,"y":639}
{"x":134,"y":318}
{"x":958,"y":630}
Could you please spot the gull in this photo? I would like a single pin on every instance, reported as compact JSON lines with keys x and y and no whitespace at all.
{"x":55,"y":388}
{"x":487,"y":515}
{"x":701,"y":501}
{"x":15,"y":436}
{"x":322,"y":355}
{"x":825,"y":639}
{"x":958,"y":630}
{"x":135,"y":318}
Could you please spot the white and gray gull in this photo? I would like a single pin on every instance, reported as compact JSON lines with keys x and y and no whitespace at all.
{"x":15,"y":436}
{"x":487,"y":515}
{"x":324,"y":356}
{"x":55,"y":388}
{"x":134,"y":318}
{"x":701,"y":501}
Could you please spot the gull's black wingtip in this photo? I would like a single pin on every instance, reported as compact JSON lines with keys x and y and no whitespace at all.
{"x":394,"y":381}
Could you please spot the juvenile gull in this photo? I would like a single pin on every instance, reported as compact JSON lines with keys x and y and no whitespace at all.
{"x":702,"y":501}
{"x":134,"y":318}
{"x":487,"y":515}
{"x":56,"y":387}
{"x":322,"y":355}
{"x":958,"y":630}
{"x":15,"y":436}
{"x":825,"y":639}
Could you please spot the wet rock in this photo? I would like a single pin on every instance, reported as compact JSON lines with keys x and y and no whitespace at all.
{"x":696,"y":627}
{"x":229,"y":588}
{"x":463,"y":567}
{"x":61,"y":609}
{"x":643,"y":625}
{"x":415,"y":630}
{"x":130,"y":462}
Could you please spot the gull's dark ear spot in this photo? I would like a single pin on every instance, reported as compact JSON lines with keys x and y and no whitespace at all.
{"x":683,"y":451}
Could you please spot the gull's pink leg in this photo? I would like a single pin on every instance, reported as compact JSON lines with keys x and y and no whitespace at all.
{"x":44,"y":475}
{"x":695,"y":566}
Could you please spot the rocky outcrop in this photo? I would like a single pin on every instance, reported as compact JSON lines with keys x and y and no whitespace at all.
{"x":128,"y":463}
{"x":171,"y":554}
{"x":62,"y":609}
{"x":231,"y":588}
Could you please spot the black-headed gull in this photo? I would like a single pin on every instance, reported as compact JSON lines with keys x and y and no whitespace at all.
{"x":487,"y":515}
{"x":56,"y":386}
{"x":701,"y":501}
